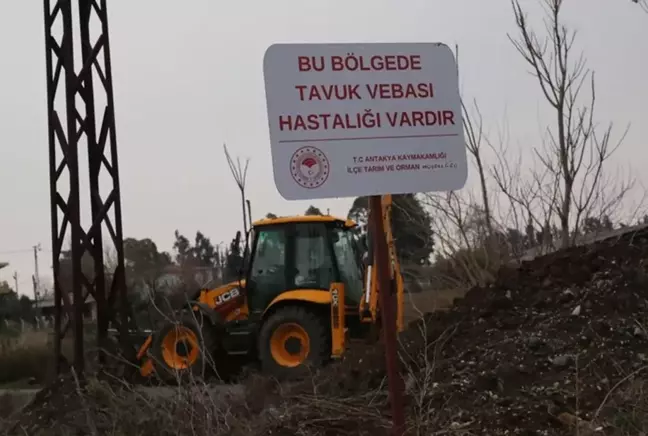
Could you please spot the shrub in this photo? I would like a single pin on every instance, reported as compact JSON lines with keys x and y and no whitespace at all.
{"x":27,"y":356}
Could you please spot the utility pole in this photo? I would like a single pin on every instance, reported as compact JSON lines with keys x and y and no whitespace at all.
{"x":36,"y":278}
{"x":35,"y":291}
{"x":15,"y":277}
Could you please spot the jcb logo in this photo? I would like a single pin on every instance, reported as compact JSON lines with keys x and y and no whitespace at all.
{"x":335,"y":301}
{"x":227,"y":296}
{"x":335,"y":298}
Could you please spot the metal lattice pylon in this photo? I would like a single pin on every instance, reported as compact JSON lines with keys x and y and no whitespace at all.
{"x":81,"y":116}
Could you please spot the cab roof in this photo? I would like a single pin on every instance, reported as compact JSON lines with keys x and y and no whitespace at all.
{"x":303,"y":219}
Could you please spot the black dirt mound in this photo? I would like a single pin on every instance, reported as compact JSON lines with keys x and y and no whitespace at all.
{"x":551,"y":337}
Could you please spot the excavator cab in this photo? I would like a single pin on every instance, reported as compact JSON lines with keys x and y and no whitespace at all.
{"x":301,"y":254}
{"x":300,"y":295}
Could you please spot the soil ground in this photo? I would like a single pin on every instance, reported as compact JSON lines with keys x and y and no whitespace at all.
{"x":558,"y":346}
{"x":547,"y":340}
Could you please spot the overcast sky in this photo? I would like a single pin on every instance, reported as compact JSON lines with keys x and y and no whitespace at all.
{"x":188,"y":77}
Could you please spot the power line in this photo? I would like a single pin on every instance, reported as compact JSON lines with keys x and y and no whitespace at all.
{"x":24,"y":250}
{"x":15,"y":251}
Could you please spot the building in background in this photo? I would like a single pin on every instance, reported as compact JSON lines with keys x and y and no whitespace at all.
{"x":46,"y":306}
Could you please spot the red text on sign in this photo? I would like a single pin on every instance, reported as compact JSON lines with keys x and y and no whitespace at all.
{"x":351,"y":62}
{"x":361,"y":169}
{"x":383,"y":168}
{"x":399,"y":157}
{"x":328,"y":92}
{"x":311,"y":63}
{"x":384,"y":91}
{"x":367,"y":120}
{"x":420,"y":118}
{"x":397,"y":90}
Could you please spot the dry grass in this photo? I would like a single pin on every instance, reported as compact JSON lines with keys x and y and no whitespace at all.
{"x":29,"y":356}
{"x":26,"y":356}
{"x":265,"y":407}
{"x":261,"y":407}
{"x":626,"y":411}
{"x":28,"y":339}
{"x":195,"y":408}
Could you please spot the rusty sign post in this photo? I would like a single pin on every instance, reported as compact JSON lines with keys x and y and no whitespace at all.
{"x":349,"y":120}
{"x":387,"y":314}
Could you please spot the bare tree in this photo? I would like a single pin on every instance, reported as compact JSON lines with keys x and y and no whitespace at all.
{"x":474,"y":139}
{"x":474,"y":132}
{"x":575,"y":151}
{"x":461,"y":237}
{"x":239,"y":173}
{"x":463,"y":221}
{"x":643,"y":4}
{"x":529,"y":196}
{"x":453,"y":213}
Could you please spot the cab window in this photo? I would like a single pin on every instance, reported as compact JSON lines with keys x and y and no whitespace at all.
{"x":314,"y":268}
{"x":346,"y":254}
{"x":268,"y":273}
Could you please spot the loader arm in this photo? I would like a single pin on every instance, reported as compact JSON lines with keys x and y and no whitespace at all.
{"x":369,"y":302}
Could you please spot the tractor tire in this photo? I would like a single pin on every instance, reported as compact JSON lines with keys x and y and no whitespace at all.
{"x":291,"y":340}
{"x":175,"y":361}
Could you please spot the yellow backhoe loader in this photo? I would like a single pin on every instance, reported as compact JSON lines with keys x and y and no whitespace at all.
{"x":305,"y":292}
